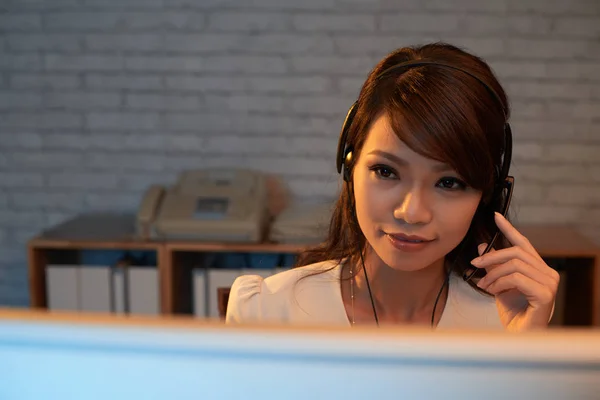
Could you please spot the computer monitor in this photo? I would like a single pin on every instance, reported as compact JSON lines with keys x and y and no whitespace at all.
{"x":62,"y":356}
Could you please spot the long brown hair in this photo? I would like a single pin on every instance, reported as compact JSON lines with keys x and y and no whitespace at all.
{"x":440,"y":113}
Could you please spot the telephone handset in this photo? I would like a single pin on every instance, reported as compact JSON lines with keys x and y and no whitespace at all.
{"x":148,"y":209}
{"x":208,"y":205}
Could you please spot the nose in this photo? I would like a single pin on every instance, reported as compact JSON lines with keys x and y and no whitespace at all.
{"x":413,"y":209}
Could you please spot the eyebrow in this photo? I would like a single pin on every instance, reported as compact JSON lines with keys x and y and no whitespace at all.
{"x":404,"y":163}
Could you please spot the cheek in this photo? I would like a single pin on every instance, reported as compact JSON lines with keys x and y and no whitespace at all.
{"x":456,"y":221}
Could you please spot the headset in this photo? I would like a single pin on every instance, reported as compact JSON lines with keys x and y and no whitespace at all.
{"x":502,"y":182}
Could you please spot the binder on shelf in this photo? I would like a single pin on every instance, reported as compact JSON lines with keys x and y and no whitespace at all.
{"x":95,"y":288}
{"x":143,"y":290}
{"x":119,"y":294}
{"x":200,"y":306}
{"x":62,"y":287}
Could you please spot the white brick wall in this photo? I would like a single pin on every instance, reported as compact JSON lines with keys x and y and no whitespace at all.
{"x":101,"y":98}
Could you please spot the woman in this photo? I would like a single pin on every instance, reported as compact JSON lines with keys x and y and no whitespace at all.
{"x":422,"y":154}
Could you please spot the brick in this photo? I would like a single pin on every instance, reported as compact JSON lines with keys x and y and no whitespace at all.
{"x":467,"y":5}
{"x":248,"y":21}
{"x":35,"y":200}
{"x":42,"y":120}
{"x":555,"y":7}
{"x":560,"y":111}
{"x":313,"y":187}
{"x":520,"y":69}
{"x":20,"y":62}
{"x":578,"y":26}
{"x":43,"y":81}
{"x":258,"y":4}
{"x":380,"y":5}
{"x":267,"y":145}
{"x":85,"y":21}
{"x":567,"y":194}
{"x":82,"y":100}
{"x":573,"y":70}
{"x":575,"y":153}
{"x":529,"y":193}
{"x":20,"y":22}
{"x":122,"y":120}
{"x":550,"y":49}
{"x":524,"y":151}
{"x":335,"y":23}
{"x":293,"y":165}
{"x":271,"y":84}
{"x":40,"y":5}
{"x":534,"y":90}
{"x":125,"y":162}
{"x":408,"y":22}
{"x":82,"y":181}
{"x":217,"y":123}
{"x":277,"y":43}
{"x":20,"y":140}
{"x":139,"y":182}
{"x":550,"y":173}
{"x":547,"y":214}
{"x":555,"y":130}
{"x":502,"y":24}
{"x":119,"y":4}
{"x":63,"y":62}
{"x":104,"y":141}
{"x":124,"y":21}
{"x":113,"y":201}
{"x":186,"y":143}
{"x":162,"y":102}
{"x":129,"y":141}
{"x":327,"y":64}
{"x":44,"y":160}
{"x":123,"y":81}
{"x":164,"y":64}
{"x":322,"y":105}
{"x":34,"y":42}
{"x":15,"y":219}
{"x":135,"y":42}
{"x":243,"y":103}
{"x":245,"y":64}
{"x":19,"y":100}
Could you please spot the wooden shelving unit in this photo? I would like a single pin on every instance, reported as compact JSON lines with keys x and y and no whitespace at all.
{"x":559,"y":245}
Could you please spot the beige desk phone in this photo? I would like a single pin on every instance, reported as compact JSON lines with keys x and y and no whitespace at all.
{"x":227,"y":205}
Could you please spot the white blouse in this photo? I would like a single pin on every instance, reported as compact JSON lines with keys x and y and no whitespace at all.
{"x":284,"y":298}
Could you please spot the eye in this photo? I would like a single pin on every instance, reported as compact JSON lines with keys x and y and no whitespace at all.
{"x":452,"y":183}
{"x":383,"y":171}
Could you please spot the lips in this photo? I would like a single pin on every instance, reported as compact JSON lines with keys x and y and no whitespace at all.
{"x":409,"y":238}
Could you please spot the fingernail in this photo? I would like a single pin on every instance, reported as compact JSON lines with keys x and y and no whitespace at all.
{"x":498,"y":214}
{"x":481,"y":283}
{"x":476,"y":261}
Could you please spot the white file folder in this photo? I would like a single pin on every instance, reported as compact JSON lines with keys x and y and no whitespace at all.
{"x":62,"y":287}
{"x":95,"y":288}
{"x":199,"y":288}
{"x":143,"y":290}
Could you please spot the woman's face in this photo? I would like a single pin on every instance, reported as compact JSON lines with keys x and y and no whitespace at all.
{"x":399,"y":192}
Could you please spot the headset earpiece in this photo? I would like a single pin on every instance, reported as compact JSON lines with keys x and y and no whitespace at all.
{"x":348,"y":164}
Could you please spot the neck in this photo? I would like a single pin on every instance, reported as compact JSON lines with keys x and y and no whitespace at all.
{"x":401,"y":296}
